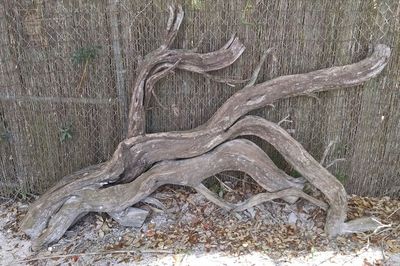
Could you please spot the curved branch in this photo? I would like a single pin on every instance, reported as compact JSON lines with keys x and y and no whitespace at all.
{"x":268,"y":92}
{"x":159,"y":73}
{"x":135,"y":155}
{"x":256,"y":71}
{"x":237,"y":155}
{"x":258,"y":199}
{"x":182,"y":59}
{"x":252,"y":97}
{"x":144,"y":162}
{"x":268,"y":196}
{"x":136,"y":116}
{"x":191,"y":61}
{"x":174,"y":22}
{"x":250,"y":159}
{"x":203,"y":190}
{"x":363,"y":224}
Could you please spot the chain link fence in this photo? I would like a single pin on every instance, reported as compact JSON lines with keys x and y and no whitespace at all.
{"x":67,"y":69}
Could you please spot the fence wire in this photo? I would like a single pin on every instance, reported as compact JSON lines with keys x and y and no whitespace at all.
{"x":67,"y":69}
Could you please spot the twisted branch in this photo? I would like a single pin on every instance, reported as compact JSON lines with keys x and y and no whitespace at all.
{"x":144,"y":162}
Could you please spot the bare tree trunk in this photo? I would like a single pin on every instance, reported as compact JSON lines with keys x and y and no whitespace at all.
{"x":143,"y":162}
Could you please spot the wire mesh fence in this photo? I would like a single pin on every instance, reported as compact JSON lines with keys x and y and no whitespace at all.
{"x":67,"y":67}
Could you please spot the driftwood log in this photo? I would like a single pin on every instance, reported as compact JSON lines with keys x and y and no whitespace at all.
{"x":143,"y":162}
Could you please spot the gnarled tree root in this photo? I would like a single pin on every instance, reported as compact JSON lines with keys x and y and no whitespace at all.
{"x":238,"y":154}
{"x":144,"y":162}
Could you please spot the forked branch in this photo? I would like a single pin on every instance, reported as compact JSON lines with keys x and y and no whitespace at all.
{"x":143,"y":162}
{"x":163,"y":60}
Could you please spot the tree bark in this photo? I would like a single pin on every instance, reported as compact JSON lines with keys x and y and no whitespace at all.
{"x":143,"y":162}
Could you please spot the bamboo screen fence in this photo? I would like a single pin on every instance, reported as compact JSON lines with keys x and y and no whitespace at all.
{"x":66,"y":69}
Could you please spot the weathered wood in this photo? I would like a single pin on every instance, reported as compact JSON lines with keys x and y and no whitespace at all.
{"x":362,"y":225}
{"x":239,"y":155}
{"x":161,"y":61}
{"x":131,"y":217}
{"x":144,"y":162}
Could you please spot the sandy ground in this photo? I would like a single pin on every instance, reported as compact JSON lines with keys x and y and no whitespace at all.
{"x":88,"y":249}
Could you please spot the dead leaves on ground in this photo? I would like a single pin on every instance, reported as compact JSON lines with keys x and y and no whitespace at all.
{"x":387,"y":211}
{"x":191,"y":223}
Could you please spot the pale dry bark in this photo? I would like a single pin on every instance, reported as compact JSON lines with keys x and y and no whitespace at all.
{"x":143,"y":162}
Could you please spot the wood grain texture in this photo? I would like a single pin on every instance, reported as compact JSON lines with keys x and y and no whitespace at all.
{"x":143,"y":162}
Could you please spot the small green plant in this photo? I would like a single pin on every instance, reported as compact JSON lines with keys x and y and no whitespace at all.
{"x":84,"y":56}
{"x":23,"y":195}
{"x":196,"y":4}
{"x":65,"y":133}
{"x":217,"y":189}
{"x":342,"y":177}
{"x":295,"y":174}
{"x":215,"y":186}
{"x":248,"y":8}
